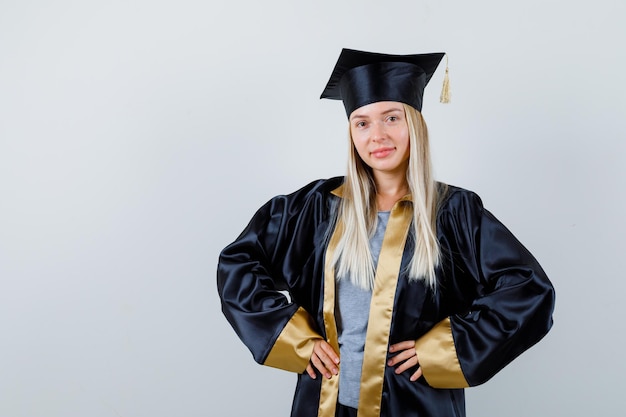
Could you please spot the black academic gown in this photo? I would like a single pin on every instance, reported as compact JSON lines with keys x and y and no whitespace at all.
{"x":493,"y":301}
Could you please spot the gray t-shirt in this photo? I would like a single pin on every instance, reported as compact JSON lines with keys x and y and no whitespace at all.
{"x":352,"y":312}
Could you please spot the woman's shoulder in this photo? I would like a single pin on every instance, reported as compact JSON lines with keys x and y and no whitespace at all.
{"x":318,"y":190}
{"x":320,"y":186}
{"x":455,"y":199}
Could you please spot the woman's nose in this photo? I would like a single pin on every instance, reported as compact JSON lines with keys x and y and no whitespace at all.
{"x":377,"y":131}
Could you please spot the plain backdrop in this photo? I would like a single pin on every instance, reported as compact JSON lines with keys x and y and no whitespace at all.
{"x":138,"y":137}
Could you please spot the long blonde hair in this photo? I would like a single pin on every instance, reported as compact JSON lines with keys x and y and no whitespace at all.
{"x":357,"y":211}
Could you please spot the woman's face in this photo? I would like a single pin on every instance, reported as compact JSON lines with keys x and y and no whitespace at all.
{"x":380,"y":135}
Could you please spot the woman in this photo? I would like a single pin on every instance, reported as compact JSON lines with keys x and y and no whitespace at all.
{"x":387,"y":292}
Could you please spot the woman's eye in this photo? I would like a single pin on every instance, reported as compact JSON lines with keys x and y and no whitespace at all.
{"x":360,"y":124}
{"x":392,"y":118}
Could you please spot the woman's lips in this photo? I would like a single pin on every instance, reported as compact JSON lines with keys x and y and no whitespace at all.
{"x":381,"y":152}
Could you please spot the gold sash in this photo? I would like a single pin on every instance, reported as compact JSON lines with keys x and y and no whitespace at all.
{"x":381,"y":310}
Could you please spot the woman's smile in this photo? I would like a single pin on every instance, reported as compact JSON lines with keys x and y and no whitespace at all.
{"x":382,"y":152}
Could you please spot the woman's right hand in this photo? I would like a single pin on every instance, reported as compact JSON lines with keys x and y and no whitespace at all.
{"x":324,"y":359}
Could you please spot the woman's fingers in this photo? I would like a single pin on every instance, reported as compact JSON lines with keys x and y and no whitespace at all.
{"x":401,"y":357}
{"x":329,"y":351}
{"x":317,"y":362}
{"x":405,"y":358}
{"x":311,"y":371}
{"x":407,"y":364}
{"x":404,"y":351}
{"x":417,"y":375}
{"x":324,"y":359}
{"x":407,"y":344}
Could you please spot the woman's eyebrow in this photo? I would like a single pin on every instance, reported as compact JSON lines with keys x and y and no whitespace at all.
{"x":363,"y":116}
{"x":392,"y":110}
{"x":358,"y":116}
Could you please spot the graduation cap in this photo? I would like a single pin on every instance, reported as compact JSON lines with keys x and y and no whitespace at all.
{"x":361,"y":78}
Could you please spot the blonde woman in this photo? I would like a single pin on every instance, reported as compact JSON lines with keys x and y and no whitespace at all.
{"x":401,"y":291}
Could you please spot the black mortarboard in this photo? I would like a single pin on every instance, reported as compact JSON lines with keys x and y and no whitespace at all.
{"x":361,"y":78}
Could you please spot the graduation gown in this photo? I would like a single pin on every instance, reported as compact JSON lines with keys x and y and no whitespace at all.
{"x":493,"y":301}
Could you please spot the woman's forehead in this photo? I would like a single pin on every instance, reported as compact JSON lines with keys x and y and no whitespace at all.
{"x":377,"y":108}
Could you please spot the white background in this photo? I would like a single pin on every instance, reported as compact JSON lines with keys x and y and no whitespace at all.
{"x":137,"y":138}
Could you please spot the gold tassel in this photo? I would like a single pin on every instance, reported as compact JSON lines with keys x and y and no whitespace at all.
{"x":445,"y":90}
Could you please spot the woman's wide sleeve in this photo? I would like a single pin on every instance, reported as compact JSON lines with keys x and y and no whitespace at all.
{"x":502,"y":299}
{"x":253,"y":274}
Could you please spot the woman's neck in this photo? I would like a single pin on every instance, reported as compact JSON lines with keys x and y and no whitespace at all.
{"x":389,"y":190}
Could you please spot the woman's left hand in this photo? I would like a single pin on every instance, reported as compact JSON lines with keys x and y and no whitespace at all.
{"x":406,"y":356}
